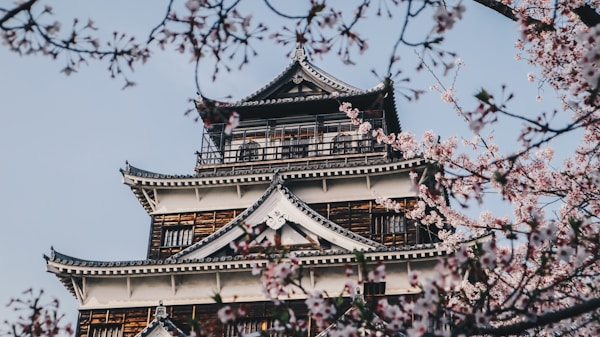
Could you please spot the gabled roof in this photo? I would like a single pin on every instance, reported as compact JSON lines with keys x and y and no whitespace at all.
{"x":303,"y":89}
{"x":161,"y":326}
{"x":279,"y":209}
{"x":300,"y":79}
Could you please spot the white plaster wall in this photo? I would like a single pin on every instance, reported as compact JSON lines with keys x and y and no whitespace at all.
{"x":212,"y":198}
{"x":330,"y":279}
{"x":147,"y":289}
{"x":338,"y":188}
{"x":241,"y":286}
{"x":196,"y":286}
{"x":100,"y":292}
{"x":394,"y":185}
{"x":397,"y":278}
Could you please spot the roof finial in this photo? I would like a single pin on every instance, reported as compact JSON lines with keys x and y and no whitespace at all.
{"x":299,"y":53}
{"x":161,"y":311}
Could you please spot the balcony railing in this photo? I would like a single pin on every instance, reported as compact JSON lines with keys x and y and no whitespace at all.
{"x":286,"y":143}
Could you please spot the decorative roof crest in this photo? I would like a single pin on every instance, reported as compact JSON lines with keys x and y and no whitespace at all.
{"x":161,"y":311}
{"x":276,"y":220}
{"x":299,"y":53}
{"x":277,"y":179}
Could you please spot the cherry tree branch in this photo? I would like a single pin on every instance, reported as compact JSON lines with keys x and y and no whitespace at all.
{"x":543,"y":320}
{"x":25,"y":6}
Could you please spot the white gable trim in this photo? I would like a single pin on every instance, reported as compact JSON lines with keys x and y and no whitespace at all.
{"x":278,"y":205}
{"x":159,"y":331}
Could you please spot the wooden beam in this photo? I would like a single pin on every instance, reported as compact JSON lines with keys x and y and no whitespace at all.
{"x":218,"y":279}
{"x":150,"y":200}
{"x":84,"y":287}
{"x":324,"y":185}
{"x":198,"y":197}
{"x":239,"y":190}
{"x":360,"y":273}
{"x":78,"y":292}
{"x":368,"y":182}
{"x":128,"y":286}
{"x":173,"y":285}
{"x":155,"y":192}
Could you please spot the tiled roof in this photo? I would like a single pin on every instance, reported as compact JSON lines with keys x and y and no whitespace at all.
{"x":165,"y":323}
{"x":257,"y":169}
{"x":301,"y":64}
{"x":134,"y":171}
{"x":341,"y":96}
{"x":171,"y":265}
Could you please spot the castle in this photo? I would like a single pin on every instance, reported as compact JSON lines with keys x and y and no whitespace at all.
{"x":297,"y":171}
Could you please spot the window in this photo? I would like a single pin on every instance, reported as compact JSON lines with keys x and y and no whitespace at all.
{"x":374,"y":288}
{"x":366,"y":144}
{"x":178,"y":236}
{"x":106,"y":330}
{"x":249,"y":325}
{"x":295,"y":148}
{"x":342,"y":144}
{"x":249,"y":151}
{"x":391,"y":223}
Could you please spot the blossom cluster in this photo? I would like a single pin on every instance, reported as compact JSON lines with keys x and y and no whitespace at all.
{"x":277,"y":276}
{"x":38,"y":317}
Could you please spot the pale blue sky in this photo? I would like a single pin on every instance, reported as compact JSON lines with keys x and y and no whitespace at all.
{"x":63,"y":139}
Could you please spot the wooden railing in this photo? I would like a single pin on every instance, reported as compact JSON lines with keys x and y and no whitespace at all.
{"x":286,"y":140}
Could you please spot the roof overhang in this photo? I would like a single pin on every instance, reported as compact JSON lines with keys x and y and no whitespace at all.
{"x":108,"y":284}
{"x":144,"y":183}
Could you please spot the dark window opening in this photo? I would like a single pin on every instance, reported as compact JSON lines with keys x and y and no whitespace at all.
{"x":106,"y":330}
{"x":178,"y":236}
{"x":342,"y":144}
{"x":391,"y":223}
{"x":246,"y":326}
{"x":249,"y":151}
{"x":295,"y":148}
{"x":374,"y":288}
{"x":366,"y":144}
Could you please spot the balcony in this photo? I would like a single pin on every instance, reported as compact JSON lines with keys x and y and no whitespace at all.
{"x":289,"y":144}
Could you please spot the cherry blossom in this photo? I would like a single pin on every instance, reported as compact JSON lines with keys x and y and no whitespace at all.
{"x":536,"y":272}
{"x":226,"y":314}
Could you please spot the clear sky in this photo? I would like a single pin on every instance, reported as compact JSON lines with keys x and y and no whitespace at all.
{"x":63,"y":139}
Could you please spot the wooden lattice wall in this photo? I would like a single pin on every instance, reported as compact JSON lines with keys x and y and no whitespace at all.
{"x":357,"y":216}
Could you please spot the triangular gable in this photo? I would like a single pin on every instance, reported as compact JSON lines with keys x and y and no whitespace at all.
{"x":279,"y":211}
{"x":161,"y":326}
{"x":301,"y":79}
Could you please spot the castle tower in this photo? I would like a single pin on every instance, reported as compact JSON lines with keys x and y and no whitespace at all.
{"x":300,"y":175}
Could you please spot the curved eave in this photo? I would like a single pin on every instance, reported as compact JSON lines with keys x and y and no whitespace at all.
{"x":319,"y":98}
{"x":310,"y":105}
{"x":311,"y":70}
{"x":316,"y":171}
{"x":378,"y":97}
{"x":139,"y":181}
{"x":72,"y":267}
